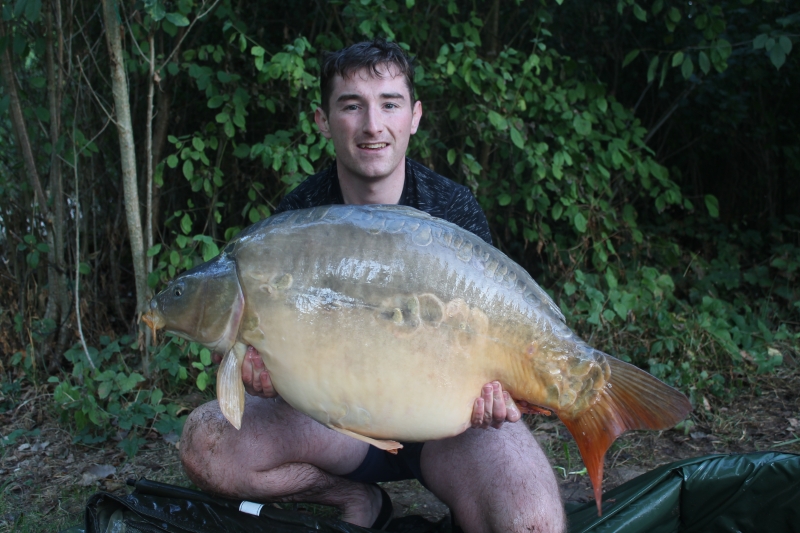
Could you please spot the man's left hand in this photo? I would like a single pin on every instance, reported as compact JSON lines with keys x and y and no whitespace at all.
{"x":494,"y":407}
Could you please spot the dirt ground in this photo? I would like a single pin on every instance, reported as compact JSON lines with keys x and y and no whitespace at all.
{"x":45,"y":479}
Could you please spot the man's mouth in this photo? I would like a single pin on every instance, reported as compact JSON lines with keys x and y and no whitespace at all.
{"x":373,"y":146}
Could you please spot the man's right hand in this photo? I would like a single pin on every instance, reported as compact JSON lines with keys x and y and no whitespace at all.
{"x":255,"y":375}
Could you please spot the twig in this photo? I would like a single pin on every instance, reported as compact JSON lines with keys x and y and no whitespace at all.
{"x":78,"y":239}
{"x":188,"y":30}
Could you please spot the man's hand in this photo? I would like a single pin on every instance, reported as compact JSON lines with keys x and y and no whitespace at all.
{"x":255,"y":375}
{"x":494,"y":407}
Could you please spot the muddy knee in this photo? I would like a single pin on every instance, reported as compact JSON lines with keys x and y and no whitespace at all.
{"x":203,"y":451}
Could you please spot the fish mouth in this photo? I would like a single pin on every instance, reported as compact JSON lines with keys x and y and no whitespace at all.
{"x":154,"y":321}
{"x":373,"y":146}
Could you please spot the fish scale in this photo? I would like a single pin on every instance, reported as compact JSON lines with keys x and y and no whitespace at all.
{"x":383,"y":323}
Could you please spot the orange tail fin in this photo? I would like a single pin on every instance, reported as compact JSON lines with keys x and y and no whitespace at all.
{"x":632,"y":399}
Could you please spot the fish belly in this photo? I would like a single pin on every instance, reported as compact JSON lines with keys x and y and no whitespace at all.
{"x":389,"y":325}
{"x":373,"y":374}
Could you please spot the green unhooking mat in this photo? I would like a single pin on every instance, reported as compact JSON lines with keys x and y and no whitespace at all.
{"x":720,"y":493}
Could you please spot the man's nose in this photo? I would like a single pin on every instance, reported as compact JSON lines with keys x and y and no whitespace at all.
{"x":372,"y":121}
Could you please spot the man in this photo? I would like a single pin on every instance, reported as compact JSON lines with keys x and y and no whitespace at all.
{"x":493,"y":479}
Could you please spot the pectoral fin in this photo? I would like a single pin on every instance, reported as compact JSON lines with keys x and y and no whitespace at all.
{"x":230,"y":389}
{"x":387,"y":445}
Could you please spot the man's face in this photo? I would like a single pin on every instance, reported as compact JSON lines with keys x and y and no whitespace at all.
{"x":370,"y":121}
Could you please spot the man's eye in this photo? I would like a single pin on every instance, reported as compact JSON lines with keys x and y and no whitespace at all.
{"x":351,"y":107}
{"x":392,"y":106}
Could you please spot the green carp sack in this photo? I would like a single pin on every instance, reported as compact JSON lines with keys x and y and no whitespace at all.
{"x":383,"y":323}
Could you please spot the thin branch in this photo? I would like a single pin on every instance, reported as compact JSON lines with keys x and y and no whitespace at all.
{"x":78,"y":241}
{"x":669,"y":113}
{"x":188,"y":30}
{"x":95,"y":95}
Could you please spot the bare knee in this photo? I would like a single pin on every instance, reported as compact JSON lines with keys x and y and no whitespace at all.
{"x":202,"y":447}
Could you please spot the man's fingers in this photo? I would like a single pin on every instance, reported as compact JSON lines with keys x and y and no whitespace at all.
{"x":477,"y":413}
{"x":498,"y":406}
{"x":512,"y":411}
{"x":488,"y":405}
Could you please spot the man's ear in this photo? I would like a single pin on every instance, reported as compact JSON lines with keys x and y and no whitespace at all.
{"x":416,"y":116}
{"x":322,"y":123}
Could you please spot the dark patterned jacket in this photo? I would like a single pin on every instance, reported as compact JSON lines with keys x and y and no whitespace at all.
{"x":424,"y":189}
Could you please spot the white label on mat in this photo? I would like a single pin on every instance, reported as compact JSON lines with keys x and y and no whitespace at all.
{"x":251,"y":508}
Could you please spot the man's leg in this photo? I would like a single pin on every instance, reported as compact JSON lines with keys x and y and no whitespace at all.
{"x":279,"y":454}
{"x":495,"y":480}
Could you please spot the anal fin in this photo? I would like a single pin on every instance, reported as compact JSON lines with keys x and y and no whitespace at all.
{"x":386,"y":445}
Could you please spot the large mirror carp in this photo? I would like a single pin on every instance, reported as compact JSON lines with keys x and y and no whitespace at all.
{"x":383,"y":323}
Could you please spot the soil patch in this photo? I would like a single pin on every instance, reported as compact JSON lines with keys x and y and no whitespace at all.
{"x":45,"y":479}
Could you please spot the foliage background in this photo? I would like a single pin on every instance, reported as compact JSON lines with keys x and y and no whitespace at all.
{"x":641,"y":161}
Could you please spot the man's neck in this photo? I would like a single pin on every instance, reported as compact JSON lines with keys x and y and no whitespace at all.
{"x":388,"y":190}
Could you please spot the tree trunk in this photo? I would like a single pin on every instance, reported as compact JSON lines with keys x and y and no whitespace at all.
{"x":58,"y":301}
{"x":24,"y":143}
{"x":119,"y":84}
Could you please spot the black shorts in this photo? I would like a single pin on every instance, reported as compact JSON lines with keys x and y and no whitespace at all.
{"x":380,"y":465}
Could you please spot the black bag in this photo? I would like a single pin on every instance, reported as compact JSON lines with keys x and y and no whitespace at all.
{"x":746,"y":493}
{"x":160,"y":508}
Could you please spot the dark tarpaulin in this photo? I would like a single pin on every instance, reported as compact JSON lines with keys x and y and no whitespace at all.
{"x":720,"y":493}
{"x":753,"y":492}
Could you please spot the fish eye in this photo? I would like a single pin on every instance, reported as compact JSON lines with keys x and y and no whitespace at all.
{"x":178,"y":291}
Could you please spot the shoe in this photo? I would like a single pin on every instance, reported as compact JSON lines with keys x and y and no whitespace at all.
{"x":387,"y":510}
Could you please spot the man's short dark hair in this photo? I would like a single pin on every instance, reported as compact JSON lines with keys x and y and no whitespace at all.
{"x":370,"y":55}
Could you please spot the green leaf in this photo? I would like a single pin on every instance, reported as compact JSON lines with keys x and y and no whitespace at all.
{"x":33,"y":9}
{"x":785,"y":43}
{"x":178,"y":19}
{"x":639,"y":13}
{"x":156,"y":396}
{"x":778,"y":56}
{"x":198,"y":144}
{"x":651,"y":71}
{"x":188,"y":169}
{"x":705,"y":63}
{"x":154,"y":250}
{"x":497,"y":120}
{"x":202,"y":380}
{"x":760,"y":41}
{"x":557,"y":210}
{"x":674,"y":14}
{"x":451,"y":156}
{"x":172,"y":161}
{"x":186,"y":224}
{"x":630,"y":56}
{"x":104,"y":389}
{"x":216,"y":101}
{"x":409,"y":4}
{"x":687,"y":68}
{"x":257,"y":51}
{"x":712,"y":204}
{"x":305,"y":165}
{"x":701,"y":22}
{"x":580,"y":222}
{"x":658,"y":5}
{"x":84,"y":269}
{"x":504,"y":199}
{"x":516,"y":138}
{"x":677,"y":59}
{"x":205,"y":356}
{"x":581,"y":125}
